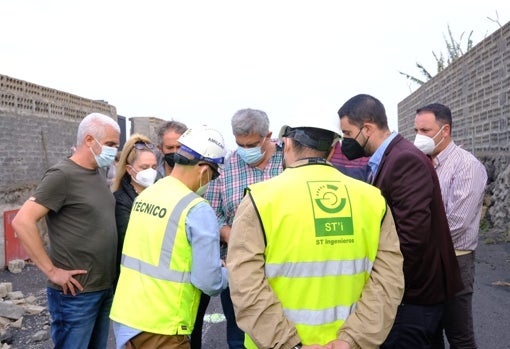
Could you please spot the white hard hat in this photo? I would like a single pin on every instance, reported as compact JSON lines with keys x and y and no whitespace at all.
{"x":204,"y":143}
{"x":314,"y":113}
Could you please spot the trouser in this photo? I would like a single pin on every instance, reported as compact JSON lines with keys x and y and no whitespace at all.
{"x":196,"y":335}
{"x":235,"y":336}
{"x":458,"y":315}
{"x":146,"y":340}
{"x":81,"y":321}
{"x":415,"y":327}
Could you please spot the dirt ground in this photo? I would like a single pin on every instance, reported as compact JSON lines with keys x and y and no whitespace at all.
{"x":491,"y":300}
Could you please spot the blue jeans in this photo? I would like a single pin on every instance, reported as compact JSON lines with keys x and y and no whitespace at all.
{"x":235,"y":336}
{"x":80,"y":321}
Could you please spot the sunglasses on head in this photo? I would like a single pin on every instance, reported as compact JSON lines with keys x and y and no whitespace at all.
{"x":140,"y":145}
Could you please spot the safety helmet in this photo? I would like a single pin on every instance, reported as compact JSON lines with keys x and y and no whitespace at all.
{"x":204,"y":143}
{"x":314,"y":113}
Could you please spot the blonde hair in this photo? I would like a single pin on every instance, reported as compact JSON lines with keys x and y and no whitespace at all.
{"x":128,"y":156}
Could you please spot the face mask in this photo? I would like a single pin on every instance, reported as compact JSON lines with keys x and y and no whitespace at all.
{"x":107,"y":155}
{"x":352,"y":149}
{"x":251,"y":155}
{"x":169,"y":158}
{"x":203,"y":188}
{"x":425,"y":143}
{"x":145,"y":177}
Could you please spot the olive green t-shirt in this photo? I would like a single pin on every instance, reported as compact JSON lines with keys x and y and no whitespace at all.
{"x":81,"y":223}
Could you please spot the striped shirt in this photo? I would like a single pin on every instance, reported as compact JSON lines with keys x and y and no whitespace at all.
{"x":226,"y":192}
{"x":357,"y":168}
{"x":462,"y":178}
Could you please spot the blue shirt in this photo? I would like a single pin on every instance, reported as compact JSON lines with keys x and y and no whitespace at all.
{"x":375,"y":159}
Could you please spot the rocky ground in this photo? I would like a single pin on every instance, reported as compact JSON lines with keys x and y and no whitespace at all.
{"x":491,"y":302}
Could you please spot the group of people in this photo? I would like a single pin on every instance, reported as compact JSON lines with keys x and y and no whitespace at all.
{"x":338,"y":233}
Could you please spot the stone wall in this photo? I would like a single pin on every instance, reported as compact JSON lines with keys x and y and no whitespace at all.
{"x":147,"y":125}
{"x":476,"y":87}
{"x":37,"y":129}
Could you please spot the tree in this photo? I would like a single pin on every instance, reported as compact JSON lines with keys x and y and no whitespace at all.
{"x":454,"y":51}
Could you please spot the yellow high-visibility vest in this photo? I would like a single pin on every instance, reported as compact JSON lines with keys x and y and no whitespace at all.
{"x":322,"y":230}
{"x":154,"y":292}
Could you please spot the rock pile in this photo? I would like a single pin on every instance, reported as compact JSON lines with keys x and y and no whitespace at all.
{"x":497,"y":199}
{"x":14,"y":307}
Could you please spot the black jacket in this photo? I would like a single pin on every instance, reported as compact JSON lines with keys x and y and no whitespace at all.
{"x":124,"y":197}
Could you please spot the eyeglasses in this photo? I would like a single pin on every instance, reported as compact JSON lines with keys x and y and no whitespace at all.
{"x":215,"y":174}
{"x":140,"y":145}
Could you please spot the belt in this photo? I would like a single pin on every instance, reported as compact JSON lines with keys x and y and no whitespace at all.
{"x":462,"y":252}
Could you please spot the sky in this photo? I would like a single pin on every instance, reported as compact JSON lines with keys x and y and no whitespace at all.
{"x":200,"y":61}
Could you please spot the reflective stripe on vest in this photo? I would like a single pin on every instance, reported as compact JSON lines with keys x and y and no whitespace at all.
{"x":324,"y":268}
{"x":319,"y":317}
{"x":161,"y":270}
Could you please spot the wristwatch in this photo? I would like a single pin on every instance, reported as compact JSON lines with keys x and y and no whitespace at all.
{"x":297,"y":346}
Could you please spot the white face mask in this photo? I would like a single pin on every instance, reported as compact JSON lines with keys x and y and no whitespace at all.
{"x":145,"y":177}
{"x":425,"y":143}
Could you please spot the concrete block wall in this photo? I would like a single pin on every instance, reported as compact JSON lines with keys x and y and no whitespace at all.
{"x":37,"y":129}
{"x":147,"y":126}
{"x":476,"y":87}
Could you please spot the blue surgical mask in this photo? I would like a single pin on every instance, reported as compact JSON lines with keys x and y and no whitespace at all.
{"x":251,"y":155}
{"x":107,"y":155}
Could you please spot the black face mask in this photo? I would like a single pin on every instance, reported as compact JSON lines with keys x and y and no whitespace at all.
{"x":169,"y":158}
{"x":352,"y":149}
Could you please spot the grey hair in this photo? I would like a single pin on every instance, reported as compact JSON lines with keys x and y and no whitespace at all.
{"x":93,"y":124}
{"x":176,"y":126}
{"x":249,"y":121}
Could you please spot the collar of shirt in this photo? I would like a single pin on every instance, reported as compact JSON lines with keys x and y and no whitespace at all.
{"x":375,"y":159}
{"x":442,"y":156}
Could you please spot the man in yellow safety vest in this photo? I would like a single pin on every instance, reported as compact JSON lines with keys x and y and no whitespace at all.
{"x":170,"y":252}
{"x":314,"y":258}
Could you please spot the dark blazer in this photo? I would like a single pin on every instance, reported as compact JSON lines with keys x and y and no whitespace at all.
{"x":410,"y":185}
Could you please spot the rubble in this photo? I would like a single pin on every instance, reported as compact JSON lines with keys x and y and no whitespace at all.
{"x":13,"y":307}
{"x":16,"y":266}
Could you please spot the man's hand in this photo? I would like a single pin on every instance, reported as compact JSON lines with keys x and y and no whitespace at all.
{"x":65,"y":279}
{"x":225,"y":233}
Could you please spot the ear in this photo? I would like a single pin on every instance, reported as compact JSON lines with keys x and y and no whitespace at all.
{"x":201,"y":170}
{"x":129,"y":170}
{"x":269,"y":134}
{"x":370,"y":128}
{"x":89,"y":141}
{"x":447,"y":131}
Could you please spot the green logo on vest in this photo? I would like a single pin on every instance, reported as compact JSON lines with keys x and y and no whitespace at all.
{"x":331,"y":209}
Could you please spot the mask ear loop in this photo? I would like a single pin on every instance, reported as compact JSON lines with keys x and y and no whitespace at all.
{"x":202,"y":173}
{"x":132,"y":169}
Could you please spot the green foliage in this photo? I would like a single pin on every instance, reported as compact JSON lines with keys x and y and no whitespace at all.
{"x":454,"y":50}
{"x":484,"y":225}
